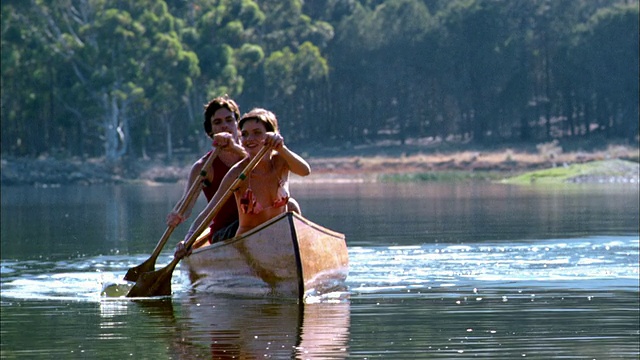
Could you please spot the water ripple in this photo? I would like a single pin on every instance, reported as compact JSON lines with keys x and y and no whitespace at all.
{"x":398,"y":271}
{"x":591,"y":263}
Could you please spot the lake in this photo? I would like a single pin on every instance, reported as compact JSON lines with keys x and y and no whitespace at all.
{"x":467,"y":270}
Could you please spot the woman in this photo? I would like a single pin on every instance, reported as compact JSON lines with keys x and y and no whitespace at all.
{"x":264,"y":194}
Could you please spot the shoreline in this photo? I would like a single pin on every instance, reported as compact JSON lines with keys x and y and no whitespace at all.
{"x":344,"y":168}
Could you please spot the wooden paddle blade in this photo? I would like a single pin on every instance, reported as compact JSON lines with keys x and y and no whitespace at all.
{"x":149,"y":265}
{"x":154,"y":283}
{"x":134,"y":273}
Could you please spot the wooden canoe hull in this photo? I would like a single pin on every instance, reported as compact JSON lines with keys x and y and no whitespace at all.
{"x":287,"y":256}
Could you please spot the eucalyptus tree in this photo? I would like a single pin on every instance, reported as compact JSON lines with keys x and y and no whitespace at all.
{"x":108,"y":56}
{"x":31,"y":106}
{"x":478,"y":39}
{"x":380,"y":56}
{"x":606,"y":54}
{"x":220,"y":33}
{"x":222,"y":27}
{"x":556,"y":41}
{"x":397,"y":40}
{"x":292,"y":80}
{"x":24,"y":129}
{"x":332,"y":11}
{"x":167,"y":71}
{"x":550,"y":78}
{"x":92,"y":40}
{"x":144,"y":65}
{"x":352,"y":71}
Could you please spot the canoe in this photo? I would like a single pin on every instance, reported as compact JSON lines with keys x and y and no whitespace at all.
{"x":287,"y":256}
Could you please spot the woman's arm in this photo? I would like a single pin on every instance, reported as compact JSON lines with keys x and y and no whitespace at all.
{"x":295,"y":162}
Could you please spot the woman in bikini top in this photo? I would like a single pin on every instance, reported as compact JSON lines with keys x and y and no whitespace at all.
{"x":264,"y":194}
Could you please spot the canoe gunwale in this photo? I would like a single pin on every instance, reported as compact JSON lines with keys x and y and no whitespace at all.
{"x":267,"y":224}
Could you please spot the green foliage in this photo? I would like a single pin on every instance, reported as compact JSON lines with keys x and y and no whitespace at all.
{"x":249,"y":55}
{"x":110,"y":78}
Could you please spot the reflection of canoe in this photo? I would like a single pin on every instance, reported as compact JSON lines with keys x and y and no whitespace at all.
{"x":250,"y":328}
{"x":286,"y":256}
{"x":324,"y":333}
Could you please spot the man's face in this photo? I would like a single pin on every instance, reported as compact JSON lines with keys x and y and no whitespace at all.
{"x":223,"y":121}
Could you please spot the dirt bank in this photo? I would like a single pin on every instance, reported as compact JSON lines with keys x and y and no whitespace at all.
{"x":341,"y":165}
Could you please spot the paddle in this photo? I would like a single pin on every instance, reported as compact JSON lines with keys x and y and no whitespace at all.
{"x":158,"y":283}
{"x":149,"y":265}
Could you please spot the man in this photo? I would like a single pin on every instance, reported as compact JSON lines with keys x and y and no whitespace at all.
{"x":221,"y":117}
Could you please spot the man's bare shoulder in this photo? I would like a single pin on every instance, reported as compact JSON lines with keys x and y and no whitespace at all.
{"x":197,"y":166}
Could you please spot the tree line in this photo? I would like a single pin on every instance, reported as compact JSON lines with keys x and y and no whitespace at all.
{"x":128,"y":79}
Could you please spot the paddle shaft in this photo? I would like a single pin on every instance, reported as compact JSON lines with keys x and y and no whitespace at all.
{"x":149,"y":264}
{"x":191,"y":194}
{"x":243,"y":175}
{"x":159,"y":282}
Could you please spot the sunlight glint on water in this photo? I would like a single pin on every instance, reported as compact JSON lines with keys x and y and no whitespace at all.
{"x":549,"y":263}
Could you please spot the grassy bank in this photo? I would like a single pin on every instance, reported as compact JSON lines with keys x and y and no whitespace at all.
{"x":390,"y":163}
{"x":604,"y":171}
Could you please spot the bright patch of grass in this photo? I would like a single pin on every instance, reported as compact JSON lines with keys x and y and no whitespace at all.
{"x":574,"y":172}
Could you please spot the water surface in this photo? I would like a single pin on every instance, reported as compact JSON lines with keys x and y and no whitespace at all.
{"x":436,"y":271}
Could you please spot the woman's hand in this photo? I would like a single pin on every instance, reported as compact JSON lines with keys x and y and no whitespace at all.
{"x":274,"y":140}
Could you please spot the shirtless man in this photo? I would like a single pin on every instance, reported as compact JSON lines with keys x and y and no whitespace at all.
{"x":221,"y":117}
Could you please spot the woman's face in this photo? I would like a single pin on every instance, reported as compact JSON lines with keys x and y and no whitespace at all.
{"x":253,"y":133}
{"x":223,"y":121}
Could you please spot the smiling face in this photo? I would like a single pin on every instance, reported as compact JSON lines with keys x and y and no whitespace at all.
{"x":265,"y":116}
{"x":253,"y":133}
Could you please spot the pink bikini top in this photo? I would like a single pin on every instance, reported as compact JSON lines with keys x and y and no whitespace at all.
{"x":250,"y":205}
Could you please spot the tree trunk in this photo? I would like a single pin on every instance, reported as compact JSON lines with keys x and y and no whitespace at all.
{"x":167,"y":123}
{"x":116,"y":127}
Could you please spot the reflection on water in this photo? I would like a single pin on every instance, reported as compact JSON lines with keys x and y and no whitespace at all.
{"x":436,"y":271}
{"x":415,"y":214}
{"x":213,"y":327}
{"x":252,"y":329}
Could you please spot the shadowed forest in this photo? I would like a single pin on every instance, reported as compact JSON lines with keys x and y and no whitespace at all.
{"x":128,"y":79}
